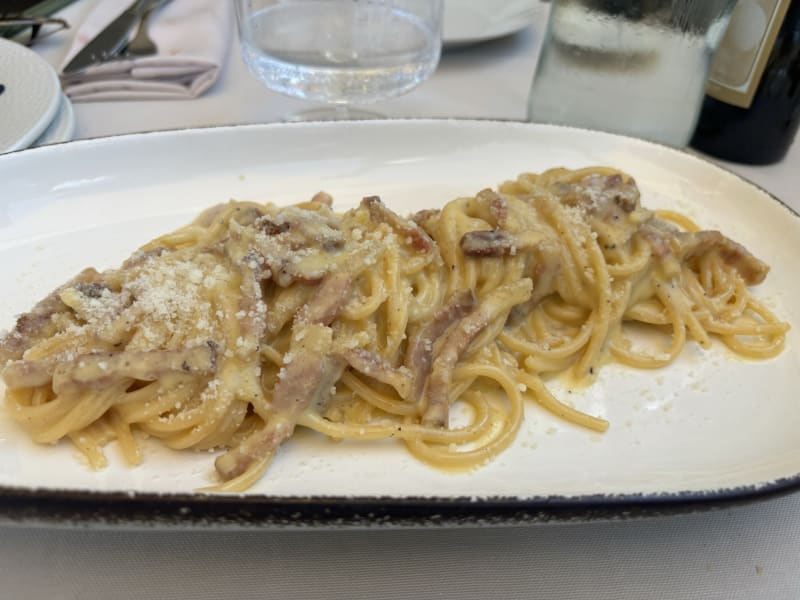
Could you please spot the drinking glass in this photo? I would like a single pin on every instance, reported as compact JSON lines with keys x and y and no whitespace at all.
{"x":340,"y":52}
{"x":637,"y":67}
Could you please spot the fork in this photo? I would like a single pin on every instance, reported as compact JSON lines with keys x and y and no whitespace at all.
{"x":142,"y":44}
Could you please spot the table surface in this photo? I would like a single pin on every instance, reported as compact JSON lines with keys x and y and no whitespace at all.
{"x":751,"y":551}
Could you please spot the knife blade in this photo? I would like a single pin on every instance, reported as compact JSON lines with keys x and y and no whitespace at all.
{"x":108,"y":43}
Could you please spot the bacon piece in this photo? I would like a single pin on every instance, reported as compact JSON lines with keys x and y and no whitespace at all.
{"x":609,"y":204}
{"x":752,"y":270}
{"x":496,"y":304}
{"x":419,"y":354}
{"x":298,"y":244}
{"x":379,"y":212}
{"x":285,"y":303}
{"x":321,"y":299}
{"x":499,"y":242}
{"x":422,"y":217}
{"x":92,"y":371}
{"x":665,"y":241}
{"x":307,"y":378}
{"x":372,"y":365}
{"x":328,"y":300}
{"x":657,"y":238}
{"x":309,"y":372}
{"x":37,"y":324}
{"x":489,"y":243}
{"x":603,"y":193}
{"x":270,"y":227}
{"x":252,"y":310}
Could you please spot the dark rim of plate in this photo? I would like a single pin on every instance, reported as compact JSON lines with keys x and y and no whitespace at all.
{"x":65,"y":507}
{"x":54,"y":507}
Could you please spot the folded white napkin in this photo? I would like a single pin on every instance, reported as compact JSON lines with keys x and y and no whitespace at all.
{"x":192,"y":38}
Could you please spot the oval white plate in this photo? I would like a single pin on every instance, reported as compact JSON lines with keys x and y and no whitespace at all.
{"x":709,"y":427}
{"x":472,"y":21}
{"x":30,"y":99}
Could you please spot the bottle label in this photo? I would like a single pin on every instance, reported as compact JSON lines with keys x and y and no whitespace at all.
{"x":742,"y":55}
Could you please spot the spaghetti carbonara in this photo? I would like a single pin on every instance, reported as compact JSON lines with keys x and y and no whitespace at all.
{"x":230,"y":332}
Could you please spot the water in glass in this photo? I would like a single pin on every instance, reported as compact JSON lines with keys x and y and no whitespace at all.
{"x":341,"y":51}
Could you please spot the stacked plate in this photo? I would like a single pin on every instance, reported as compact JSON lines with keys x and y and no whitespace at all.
{"x":33,"y":110}
{"x":469,"y":22}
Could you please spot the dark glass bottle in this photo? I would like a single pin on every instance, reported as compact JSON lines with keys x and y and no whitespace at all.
{"x":763,"y":132}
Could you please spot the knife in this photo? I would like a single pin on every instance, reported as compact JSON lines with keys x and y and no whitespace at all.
{"x":108,"y":43}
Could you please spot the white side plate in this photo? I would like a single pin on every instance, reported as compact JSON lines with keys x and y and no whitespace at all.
{"x":709,"y":426}
{"x":62,"y":127}
{"x":30,"y":98}
{"x":472,"y":21}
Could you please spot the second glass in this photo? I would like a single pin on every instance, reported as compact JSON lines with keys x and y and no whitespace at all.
{"x":628,"y":66}
{"x":340,"y":52}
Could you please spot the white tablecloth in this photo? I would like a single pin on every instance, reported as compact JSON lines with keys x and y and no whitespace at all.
{"x":747,"y":552}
